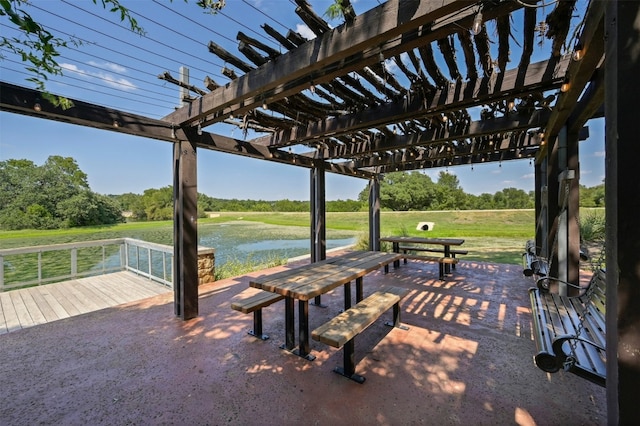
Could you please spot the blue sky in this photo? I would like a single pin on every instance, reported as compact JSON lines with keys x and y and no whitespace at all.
{"x":118,"y":163}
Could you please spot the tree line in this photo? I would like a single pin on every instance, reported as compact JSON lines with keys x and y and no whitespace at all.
{"x":57,"y":195}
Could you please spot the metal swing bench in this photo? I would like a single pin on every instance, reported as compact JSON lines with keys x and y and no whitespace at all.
{"x":569,"y":331}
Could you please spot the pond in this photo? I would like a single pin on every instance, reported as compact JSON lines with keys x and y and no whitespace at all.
{"x":242,"y":240}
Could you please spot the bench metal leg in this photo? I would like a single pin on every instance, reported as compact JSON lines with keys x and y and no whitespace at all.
{"x":349,"y":366}
{"x":397,"y":323}
{"x":289,"y":324}
{"x":441,"y":271}
{"x":347,"y":295}
{"x":303,"y":331}
{"x":359,"y":292}
{"x":257,"y":325}
{"x":317,"y":301}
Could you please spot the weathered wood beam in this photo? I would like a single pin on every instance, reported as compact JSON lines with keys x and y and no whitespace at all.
{"x":528,"y":35}
{"x":475,"y":129}
{"x":580,"y":72}
{"x":278,"y":37}
{"x":294,"y":70}
{"x":210,"y":83}
{"x":376,"y":81}
{"x":504,"y":33}
{"x":315,"y":23}
{"x":591,"y":101}
{"x":426,"y":53}
{"x":469,"y":56}
{"x":462,"y":95}
{"x":252,"y":54}
{"x":445,"y":45}
{"x":484,"y":54}
{"x":166,"y":76}
{"x":21,"y":100}
{"x":223,"y":54}
{"x":271,"y":52}
{"x":559,"y":21}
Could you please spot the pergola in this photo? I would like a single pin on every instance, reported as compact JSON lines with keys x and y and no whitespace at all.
{"x":438,"y":114}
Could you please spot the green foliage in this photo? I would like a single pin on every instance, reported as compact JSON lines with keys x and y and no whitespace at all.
{"x":39,"y":48}
{"x":592,"y":197}
{"x":235,"y":267}
{"x":54,"y":195}
{"x":410,"y":191}
{"x":592,"y":225}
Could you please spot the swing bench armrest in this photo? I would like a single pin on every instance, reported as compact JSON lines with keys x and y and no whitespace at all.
{"x":543,"y":284}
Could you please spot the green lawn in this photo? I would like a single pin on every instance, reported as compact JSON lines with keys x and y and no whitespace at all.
{"x":497,"y":236}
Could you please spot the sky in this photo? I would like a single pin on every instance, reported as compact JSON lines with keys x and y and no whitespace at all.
{"x":118,"y":163}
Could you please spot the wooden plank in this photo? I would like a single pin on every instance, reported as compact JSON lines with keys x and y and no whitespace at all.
{"x":32,"y":307}
{"x":61,"y":300}
{"x":11,"y":318}
{"x":21,"y":310}
{"x":68,"y":301}
{"x":43,"y":304}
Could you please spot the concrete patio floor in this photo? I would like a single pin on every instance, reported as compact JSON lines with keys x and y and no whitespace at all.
{"x":466,"y":359}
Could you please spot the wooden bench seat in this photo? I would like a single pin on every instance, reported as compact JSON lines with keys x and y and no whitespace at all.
{"x":452,"y":252}
{"x":440,"y":260}
{"x":341,"y":330}
{"x":254,"y":303}
{"x":569,"y":331}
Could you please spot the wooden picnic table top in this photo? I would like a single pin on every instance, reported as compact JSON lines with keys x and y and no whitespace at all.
{"x":308,"y":281}
{"x":423,"y":240}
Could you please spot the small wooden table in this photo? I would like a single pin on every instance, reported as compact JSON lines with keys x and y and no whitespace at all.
{"x":306,"y":282}
{"x":446,"y":242}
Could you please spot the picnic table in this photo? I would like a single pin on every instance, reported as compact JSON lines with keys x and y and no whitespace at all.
{"x":306,"y":282}
{"x":400,"y":242}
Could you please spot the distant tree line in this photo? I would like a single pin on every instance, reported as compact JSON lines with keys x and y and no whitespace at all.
{"x":57,"y":195}
{"x":54,"y":195}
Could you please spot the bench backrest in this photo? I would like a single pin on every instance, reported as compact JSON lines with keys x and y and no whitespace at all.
{"x":597,"y":291}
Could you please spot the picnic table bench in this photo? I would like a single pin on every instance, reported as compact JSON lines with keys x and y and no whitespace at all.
{"x":404,"y":245}
{"x":341,"y":330}
{"x":569,"y":331}
{"x":254,"y":304}
{"x":309,"y":281}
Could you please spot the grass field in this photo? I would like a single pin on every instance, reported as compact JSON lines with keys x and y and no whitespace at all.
{"x":496,"y":236}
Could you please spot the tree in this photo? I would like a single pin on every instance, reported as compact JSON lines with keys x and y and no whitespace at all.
{"x":404,"y":191}
{"x":449,"y":193}
{"x":53,"y":195}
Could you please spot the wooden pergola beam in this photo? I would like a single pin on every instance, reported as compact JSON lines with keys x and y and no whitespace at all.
{"x":339,"y":51}
{"x":462,"y":95}
{"x":580,"y":72}
{"x":21,"y":100}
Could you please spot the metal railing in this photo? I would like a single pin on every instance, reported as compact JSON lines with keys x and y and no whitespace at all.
{"x":26,"y":266}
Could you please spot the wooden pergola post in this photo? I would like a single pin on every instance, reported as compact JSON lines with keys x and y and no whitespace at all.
{"x":318,"y":213}
{"x":374,"y":214}
{"x":622,"y":183}
{"x":541,"y":208}
{"x":185,"y":230}
{"x":318,"y":217}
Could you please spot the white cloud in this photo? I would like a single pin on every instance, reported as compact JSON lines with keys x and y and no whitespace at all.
{"x":598,"y":154}
{"x":529,"y":176}
{"x":305,"y":31}
{"x":586,"y":172}
{"x":108,"y":78}
{"x":508,"y":182}
{"x":109,"y":66}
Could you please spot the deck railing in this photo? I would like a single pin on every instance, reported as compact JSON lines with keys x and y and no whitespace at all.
{"x":21,"y":267}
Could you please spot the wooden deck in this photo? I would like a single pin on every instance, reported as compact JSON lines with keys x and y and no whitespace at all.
{"x":38,"y":305}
